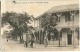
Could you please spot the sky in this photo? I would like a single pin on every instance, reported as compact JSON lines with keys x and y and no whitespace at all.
{"x":34,"y":8}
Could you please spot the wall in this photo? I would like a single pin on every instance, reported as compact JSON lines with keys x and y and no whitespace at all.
{"x":64,"y":39}
{"x":64,"y":23}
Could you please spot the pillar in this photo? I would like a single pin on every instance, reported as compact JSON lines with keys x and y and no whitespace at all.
{"x":59,"y":37}
{"x":73,"y":38}
{"x":72,"y":13}
{"x":59,"y":14}
{"x":39,"y":33}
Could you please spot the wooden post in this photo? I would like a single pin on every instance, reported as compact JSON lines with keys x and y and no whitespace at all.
{"x":72,"y":13}
{"x":42,"y":36}
{"x":59,"y":14}
{"x":59,"y":37}
{"x":39,"y":31}
{"x":34,"y":32}
{"x":37,"y":38}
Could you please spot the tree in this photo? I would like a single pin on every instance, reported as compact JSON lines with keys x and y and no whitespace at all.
{"x":49,"y":23}
{"x":18,"y":21}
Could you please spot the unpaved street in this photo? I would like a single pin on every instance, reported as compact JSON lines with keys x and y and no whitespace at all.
{"x":15,"y":46}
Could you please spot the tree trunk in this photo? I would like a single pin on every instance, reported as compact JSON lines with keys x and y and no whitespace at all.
{"x":21,"y":39}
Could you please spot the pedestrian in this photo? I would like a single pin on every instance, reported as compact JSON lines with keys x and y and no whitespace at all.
{"x":7,"y":36}
{"x":7,"y":40}
{"x":31,"y":43}
{"x":28,"y":39}
{"x":25,"y":39}
{"x":25,"y":44}
{"x":32,"y":40}
{"x":46,"y":40}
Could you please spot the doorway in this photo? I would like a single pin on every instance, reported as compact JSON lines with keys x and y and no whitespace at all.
{"x":69,"y":37}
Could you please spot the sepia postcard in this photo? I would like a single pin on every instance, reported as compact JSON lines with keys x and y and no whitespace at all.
{"x":39,"y":25}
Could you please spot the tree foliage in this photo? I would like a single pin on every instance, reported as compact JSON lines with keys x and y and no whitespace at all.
{"x":49,"y":22}
{"x":18,"y":21}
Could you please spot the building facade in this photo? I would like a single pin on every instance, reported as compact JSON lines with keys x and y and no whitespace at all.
{"x":67,"y":28}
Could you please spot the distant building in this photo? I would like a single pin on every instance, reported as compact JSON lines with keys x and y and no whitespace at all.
{"x":67,"y":18}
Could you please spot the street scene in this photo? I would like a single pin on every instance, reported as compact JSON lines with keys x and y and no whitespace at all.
{"x":15,"y":46}
{"x":40,"y":26}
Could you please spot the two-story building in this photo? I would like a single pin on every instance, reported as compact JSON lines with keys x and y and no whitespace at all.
{"x":67,"y":28}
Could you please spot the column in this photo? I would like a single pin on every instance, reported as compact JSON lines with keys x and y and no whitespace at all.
{"x":42,"y":36}
{"x":39,"y":31}
{"x":59,"y":37}
{"x":37,"y":22}
{"x":72,"y":13}
{"x":59,"y":15}
{"x":73,"y":38}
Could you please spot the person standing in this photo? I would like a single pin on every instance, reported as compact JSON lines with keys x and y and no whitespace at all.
{"x":46,"y":39}
{"x":7,"y":39}
{"x":32,"y":40}
{"x":24,"y":38}
{"x":28,"y":39}
{"x":7,"y":36}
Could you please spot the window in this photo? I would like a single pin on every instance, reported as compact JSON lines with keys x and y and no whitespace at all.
{"x":57,"y":19}
{"x":67,"y":16}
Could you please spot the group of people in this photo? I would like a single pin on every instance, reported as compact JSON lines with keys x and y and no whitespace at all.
{"x":29,"y":40}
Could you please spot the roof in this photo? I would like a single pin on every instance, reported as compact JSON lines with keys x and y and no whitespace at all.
{"x":62,"y":8}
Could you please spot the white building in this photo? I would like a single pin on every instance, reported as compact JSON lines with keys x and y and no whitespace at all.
{"x":67,"y":28}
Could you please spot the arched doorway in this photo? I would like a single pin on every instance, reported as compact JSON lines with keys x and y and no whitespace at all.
{"x":66,"y":36}
{"x":53,"y":37}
